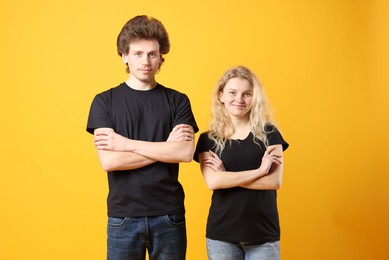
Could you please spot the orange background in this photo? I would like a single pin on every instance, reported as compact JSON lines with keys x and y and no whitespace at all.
{"x":324,"y":65}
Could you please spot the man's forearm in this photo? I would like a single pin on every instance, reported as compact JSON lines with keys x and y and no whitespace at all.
{"x":169,"y":152}
{"x":179,"y":147}
{"x":116,"y":161}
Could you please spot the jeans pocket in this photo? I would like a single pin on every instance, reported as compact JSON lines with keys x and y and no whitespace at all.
{"x":114,"y":222}
{"x":175,"y":219}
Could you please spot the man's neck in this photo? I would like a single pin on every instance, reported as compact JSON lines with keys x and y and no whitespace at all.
{"x":134,"y":83}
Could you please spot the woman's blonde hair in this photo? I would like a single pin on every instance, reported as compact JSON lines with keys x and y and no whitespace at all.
{"x":260,"y":115}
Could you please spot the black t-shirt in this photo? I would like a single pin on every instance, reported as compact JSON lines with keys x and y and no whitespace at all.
{"x":147,"y":116}
{"x":238,"y":214}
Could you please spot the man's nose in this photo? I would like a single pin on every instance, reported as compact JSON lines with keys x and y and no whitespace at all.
{"x":145,"y":60}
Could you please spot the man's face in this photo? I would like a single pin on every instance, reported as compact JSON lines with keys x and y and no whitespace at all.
{"x":143,"y":59}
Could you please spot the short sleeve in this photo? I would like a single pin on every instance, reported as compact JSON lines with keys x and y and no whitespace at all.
{"x":99,"y":115}
{"x":274,"y":137}
{"x":184,"y":114}
{"x":204,"y":144}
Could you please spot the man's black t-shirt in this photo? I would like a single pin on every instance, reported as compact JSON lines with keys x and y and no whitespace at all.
{"x":147,"y":116}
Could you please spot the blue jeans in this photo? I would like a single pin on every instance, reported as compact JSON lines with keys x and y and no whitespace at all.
{"x":164,"y":237}
{"x":220,"y":250}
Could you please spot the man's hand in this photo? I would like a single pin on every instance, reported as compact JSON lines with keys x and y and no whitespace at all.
{"x":107,"y":139}
{"x":181,"y":132}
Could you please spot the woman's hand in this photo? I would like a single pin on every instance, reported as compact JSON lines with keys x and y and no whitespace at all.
{"x":213,"y":161}
{"x":269,"y":158}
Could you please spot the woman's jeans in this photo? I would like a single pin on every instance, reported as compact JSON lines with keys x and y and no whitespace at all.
{"x":164,"y":237}
{"x":220,"y":250}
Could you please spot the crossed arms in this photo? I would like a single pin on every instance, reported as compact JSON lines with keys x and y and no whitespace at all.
{"x":117,"y":152}
{"x":267,"y":177}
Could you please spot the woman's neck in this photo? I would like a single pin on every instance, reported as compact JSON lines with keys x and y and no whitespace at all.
{"x":242,"y":128}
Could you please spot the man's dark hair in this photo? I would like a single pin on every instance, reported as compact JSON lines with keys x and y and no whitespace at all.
{"x":143,"y":27}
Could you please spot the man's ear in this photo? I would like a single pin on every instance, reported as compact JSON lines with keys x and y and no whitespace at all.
{"x":125,"y":58}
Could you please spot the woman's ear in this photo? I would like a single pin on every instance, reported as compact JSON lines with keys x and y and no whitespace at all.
{"x":221,"y":99}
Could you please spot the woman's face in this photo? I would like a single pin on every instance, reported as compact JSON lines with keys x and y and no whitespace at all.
{"x":237,"y":97}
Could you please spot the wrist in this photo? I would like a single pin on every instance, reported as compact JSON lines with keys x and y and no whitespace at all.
{"x":261,"y":171}
{"x":129,"y":146}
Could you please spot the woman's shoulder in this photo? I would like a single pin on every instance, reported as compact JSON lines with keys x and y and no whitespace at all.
{"x":204,"y":135}
{"x":270,"y":127}
{"x":274,"y":136}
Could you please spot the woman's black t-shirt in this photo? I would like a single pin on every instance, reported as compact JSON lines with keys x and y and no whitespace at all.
{"x":239,"y":214}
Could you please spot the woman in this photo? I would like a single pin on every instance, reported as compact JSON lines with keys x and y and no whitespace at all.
{"x":241,"y":159}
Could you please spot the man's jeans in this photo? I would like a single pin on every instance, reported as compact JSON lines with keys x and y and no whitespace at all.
{"x":163,"y":236}
{"x":219,"y":250}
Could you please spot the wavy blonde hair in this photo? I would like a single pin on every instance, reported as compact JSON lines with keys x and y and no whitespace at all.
{"x":260,"y":115}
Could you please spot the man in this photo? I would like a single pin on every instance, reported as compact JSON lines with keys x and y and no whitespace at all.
{"x":142,"y":131}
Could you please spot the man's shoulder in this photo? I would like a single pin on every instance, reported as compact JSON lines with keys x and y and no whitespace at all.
{"x":171,"y":90}
{"x":174,"y":94}
{"x":108,"y":92}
